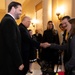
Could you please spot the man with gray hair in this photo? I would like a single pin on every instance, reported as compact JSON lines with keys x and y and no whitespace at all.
{"x":27,"y":43}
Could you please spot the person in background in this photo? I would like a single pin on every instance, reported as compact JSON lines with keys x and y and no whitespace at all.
{"x":32,"y":53}
{"x":27,"y":43}
{"x":62,"y":34}
{"x":10,"y":42}
{"x":38,"y":37}
{"x":51,"y":36}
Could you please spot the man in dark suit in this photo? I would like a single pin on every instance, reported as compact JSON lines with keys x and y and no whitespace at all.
{"x":10,"y":42}
{"x":27,"y":43}
{"x":38,"y":35}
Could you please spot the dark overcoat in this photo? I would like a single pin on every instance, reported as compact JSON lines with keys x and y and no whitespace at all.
{"x":27,"y":45}
{"x":47,"y":53}
{"x":10,"y":42}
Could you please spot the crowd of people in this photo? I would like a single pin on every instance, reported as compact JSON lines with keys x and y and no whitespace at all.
{"x":18,"y":46}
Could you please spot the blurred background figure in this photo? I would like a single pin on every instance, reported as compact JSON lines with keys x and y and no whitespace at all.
{"x":62,"y":34}
{"x":32,"y":53}
{"x":38,"y":37}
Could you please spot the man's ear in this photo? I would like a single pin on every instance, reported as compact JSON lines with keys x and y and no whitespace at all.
{"x":13,"y":9}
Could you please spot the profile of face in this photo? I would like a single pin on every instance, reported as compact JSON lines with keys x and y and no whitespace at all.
{"x":64,"y":23}
{"x":17,"y":12}
{"x":27,"y":22}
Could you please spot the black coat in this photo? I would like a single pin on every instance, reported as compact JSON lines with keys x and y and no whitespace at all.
{"x":27,"y":45}
{"x":50,"y":54}
{"x":70,"y":49}
{"x":10,"y":42}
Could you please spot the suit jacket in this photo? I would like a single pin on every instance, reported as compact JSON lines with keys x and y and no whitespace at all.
{"x":70,"y":49}
{"x":27,"y":45}
{"x":10,"y":46}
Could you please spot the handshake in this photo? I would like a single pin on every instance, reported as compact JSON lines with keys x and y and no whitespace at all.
{"x":45,"y":45}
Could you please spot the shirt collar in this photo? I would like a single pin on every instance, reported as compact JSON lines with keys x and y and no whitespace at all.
{"x":11,"y":15}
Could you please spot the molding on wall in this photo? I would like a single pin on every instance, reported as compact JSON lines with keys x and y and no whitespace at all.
{"x":38,"y":6}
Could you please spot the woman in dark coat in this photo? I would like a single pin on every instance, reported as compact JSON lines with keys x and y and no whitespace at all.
{"x":51,"y":36}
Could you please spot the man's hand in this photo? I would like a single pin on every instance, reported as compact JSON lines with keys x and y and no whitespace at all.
{"x":21,"y":67}
{"x":45,"y":45}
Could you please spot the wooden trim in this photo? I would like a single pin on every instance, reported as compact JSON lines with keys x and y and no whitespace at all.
{"x":38,"y":6}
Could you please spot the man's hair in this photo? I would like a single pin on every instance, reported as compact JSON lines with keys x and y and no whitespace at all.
{"x":25,"y":18}
{"x":13,"y":4}
{"x":66,"y":17}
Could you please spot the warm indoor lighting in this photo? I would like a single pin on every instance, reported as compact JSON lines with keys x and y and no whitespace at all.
{"x":33,"y":22}
{"x":59,"y":16}
{"x":60,"y":12}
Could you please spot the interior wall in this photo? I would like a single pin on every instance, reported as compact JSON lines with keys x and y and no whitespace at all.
{"x":2,"y":13}
{"x":47,"y":12}
{"x":2,"y":4}
{"x":39,"y":17}
{"x":2,"y":8}
{"x":29,"y":7}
